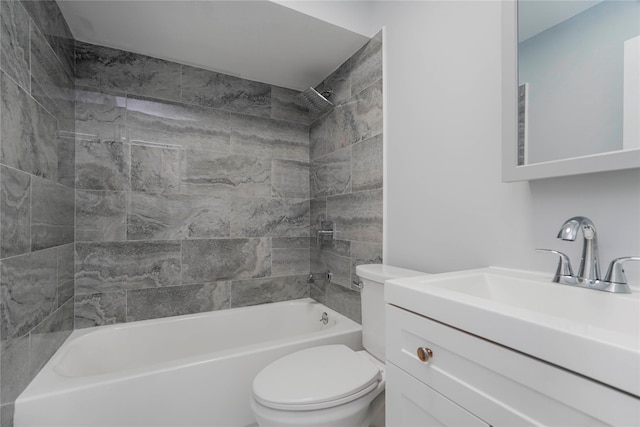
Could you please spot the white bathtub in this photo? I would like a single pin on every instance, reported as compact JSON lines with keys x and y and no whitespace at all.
{"x":186,"y":371}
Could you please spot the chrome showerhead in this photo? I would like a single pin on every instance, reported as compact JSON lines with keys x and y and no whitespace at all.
{"x":315,"y":101}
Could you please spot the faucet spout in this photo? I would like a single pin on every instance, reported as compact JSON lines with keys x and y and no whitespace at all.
{"x":589,"y":268}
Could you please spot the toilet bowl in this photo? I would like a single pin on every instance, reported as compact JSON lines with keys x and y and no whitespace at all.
{"x":332,"y":385}
{"x":329,"y":385}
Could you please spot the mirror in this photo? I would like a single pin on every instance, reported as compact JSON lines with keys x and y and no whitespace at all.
{"x":577,"y":101}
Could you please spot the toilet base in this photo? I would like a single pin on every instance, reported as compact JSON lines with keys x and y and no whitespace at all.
{"x":377,"y":412}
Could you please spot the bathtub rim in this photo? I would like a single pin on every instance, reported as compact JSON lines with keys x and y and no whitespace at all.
{"x":77,"y":334}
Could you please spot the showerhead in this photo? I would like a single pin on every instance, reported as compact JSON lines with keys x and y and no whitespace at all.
{"x":315,"y":101}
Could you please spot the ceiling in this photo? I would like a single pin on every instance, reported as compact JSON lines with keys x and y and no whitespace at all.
{"x":256,"y":40}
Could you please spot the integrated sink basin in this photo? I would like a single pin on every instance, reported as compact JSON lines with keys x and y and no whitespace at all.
{"x":593,"y":333}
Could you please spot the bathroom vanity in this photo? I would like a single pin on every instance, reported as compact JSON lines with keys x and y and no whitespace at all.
{"x":504,"y":348}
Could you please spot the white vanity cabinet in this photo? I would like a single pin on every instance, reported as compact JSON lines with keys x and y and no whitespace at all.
{"x":470,"y":381}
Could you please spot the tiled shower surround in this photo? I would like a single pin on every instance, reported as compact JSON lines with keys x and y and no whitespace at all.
{"x":36,"y":192}
{"x":346,"y":177}
{"x":194,"y":190}
{"x":200,"y":191}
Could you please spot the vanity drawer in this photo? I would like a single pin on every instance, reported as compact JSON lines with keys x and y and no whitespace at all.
{"x":497,"y":384}
{"x":411,"y":403}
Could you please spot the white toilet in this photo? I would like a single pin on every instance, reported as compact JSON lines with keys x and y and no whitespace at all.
{"x":332,"y":385}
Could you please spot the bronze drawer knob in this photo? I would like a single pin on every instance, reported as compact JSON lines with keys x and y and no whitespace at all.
{"x":424,"y":354}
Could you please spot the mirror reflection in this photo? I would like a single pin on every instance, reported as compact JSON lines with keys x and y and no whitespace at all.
{"x":578,"y":78}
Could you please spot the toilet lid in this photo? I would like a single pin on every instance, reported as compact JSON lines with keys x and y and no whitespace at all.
{"x":315,"y":378}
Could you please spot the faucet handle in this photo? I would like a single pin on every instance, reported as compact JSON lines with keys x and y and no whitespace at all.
{"x":564,"y":264}
{"x":615,"y":273}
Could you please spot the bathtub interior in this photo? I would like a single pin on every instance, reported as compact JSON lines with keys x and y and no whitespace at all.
{"x":152,"y":342}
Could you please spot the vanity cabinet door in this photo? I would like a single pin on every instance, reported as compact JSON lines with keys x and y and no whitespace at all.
{"x":411,"y":403}
{"x":497,"y":384}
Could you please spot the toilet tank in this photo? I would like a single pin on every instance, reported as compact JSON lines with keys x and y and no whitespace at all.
{"x":372,"y":302}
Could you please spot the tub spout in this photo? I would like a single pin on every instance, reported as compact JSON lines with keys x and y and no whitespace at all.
{"x":312,"y":277}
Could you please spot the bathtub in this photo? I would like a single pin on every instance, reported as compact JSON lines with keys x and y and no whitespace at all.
{"x":187,"y":371}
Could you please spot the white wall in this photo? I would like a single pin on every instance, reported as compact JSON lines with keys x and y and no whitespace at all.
{"x":446,"y":207}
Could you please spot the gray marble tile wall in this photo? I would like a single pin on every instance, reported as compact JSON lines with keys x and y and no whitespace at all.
{"x":133,"y":188}
{"x":192,"y":190}
{"x":36,"y":192}
{"x":346,"y":177}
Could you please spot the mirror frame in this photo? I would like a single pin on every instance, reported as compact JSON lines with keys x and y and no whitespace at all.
{"x":511,"y":172}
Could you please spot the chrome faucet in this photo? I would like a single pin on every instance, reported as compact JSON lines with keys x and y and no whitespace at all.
{"x":589,"y":268}
{"x":588,"y":275}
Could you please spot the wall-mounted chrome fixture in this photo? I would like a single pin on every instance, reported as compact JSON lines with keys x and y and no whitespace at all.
{"x":316,"y":101}
{"x":312,"y":277}
{"x":326,"y":234}
{"x":588,"y":275}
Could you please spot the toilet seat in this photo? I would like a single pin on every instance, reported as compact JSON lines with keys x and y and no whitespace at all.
{"x":316,"y":378}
